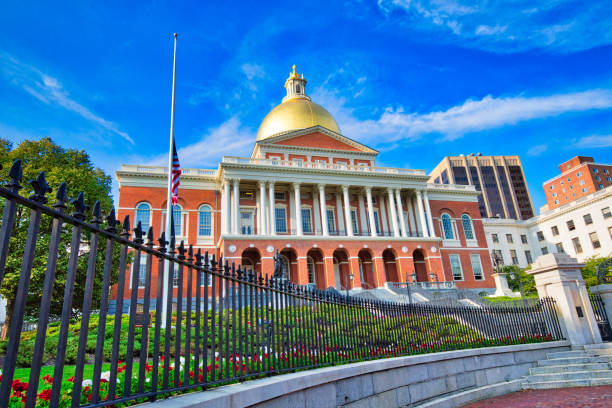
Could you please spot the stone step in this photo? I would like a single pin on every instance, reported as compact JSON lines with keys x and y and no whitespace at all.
{"x":460,"y":398}
{"x":575,"y":375}
{"x":600,"y":352}
{"x":567,"y":354}
{"x":599,"y":346}
{"x":575,"y":360}
{"x":569,"y":368}
{"x":584,"y":382}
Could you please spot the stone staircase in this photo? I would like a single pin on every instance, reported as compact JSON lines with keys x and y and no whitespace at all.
{"x":584,"y":366}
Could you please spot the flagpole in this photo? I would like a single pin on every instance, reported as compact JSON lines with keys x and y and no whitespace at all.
{"x":169,"y":197}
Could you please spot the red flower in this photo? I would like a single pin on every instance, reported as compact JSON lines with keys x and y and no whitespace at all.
{"x":208,"y":369}
{"x":201,"y":378}
{"x":103,"y":380}
{"x":86,"y":389}
{"x":148,"y":367}
{"x":89,"y":397}
{"x":191,"y":374}
{"x":45,"y":395}
{"x":19,"y":386}
{"x":119,"y":370}
{"x":71,"y":379}
{"x":48,"y":379}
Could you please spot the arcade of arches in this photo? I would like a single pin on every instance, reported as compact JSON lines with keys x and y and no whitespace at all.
{"x":347,"y":268}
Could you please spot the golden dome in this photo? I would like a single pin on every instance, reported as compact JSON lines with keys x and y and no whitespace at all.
{"x":296,"y":112}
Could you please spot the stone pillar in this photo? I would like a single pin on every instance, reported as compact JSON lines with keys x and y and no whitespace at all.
{"x":347,"y":211}
{"x":362,"y":215}
{"x":328,"y":271}
{"x":378,"y":269}
{"x":558,"y":276}
{"x":413,"y":226}
{"x":315,"y":210}
{"x":382,"y":220}
{"x":400,"y":212}
{"x":298,"y":209}
{"x":422,"y":213}
{"x":272,"y":217}
{"x":605,"y":291}
{"x":354,"y":269}
{"x":302,"y":271}
{"x":323,"y":206}
{"x":393,"y":215}
{"x":261,"y":213}
{"x":267,"y":265}
{"x":432,"y":231}
{"x":501,"y":286}
{"x":370,"y":211}
{"x":225,"y":213}
{"x":340,"y":212}
{"x":236,"y":207}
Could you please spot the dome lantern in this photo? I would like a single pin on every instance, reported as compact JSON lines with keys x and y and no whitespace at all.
{"x":296,"y":86}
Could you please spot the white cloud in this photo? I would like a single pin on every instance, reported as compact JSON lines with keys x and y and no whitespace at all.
{"x":537,"y":150}
{"x":252,"y":71}
{"x":595,"y":141}
{"x":49,"y":90}
{"x":395,"y":124}
{"x":507,"y":26}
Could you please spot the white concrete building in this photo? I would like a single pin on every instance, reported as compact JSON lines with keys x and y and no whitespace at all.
{"x":581,"y":228}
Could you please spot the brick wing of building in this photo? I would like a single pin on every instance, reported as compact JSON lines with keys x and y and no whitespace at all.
{"x":318,"y":197}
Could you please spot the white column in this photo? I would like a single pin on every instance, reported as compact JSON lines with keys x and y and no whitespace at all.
{"x":347,"y":211}
{"x":236,"y":207}
{"x":261,"y":215}
{"x":400,"y":213}
{"x":225,"y":209}
{"x":272,"y":218}
{"x":413,"y":226}
{"x":422,"y":213}
{"x":393,"y":212}
{"x":432,"y":232}
{"x":362,"y":214}
{"x":298,"y":209}
{"x":370,"y":211}
{"x":323,"y":210}
{"x":315,"y":210}
{"x":339,"y":212}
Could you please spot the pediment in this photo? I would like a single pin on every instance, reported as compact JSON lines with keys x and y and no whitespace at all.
{"x":318,"y":138}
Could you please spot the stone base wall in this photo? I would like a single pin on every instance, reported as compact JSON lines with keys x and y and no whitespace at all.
{"x":393,"y":382}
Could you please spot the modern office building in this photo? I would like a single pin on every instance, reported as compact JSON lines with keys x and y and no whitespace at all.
{"x":579,"y":177}
{"x":318,"y":198}
{"x":500,"y":179}
{"x":581,"y":228}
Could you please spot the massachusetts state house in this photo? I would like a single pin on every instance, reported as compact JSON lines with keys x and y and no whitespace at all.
{"x":318,"y":197}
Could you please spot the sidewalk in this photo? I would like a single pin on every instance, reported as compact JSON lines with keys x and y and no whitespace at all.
{"x":578,"y":397}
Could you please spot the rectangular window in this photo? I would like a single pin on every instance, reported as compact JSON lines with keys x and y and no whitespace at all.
{"x":594,"y":240}
{"x":528,"y":257}
{"x":246,"y":195}
{"x":476,"y":267}
{"x":524,"y":239}
{"x":494,"y":238}
{"x":555,"y":230}
{"x":281,"y":220}
{"x":540,"y":236}
{"x":279,"y":195}
{"x":606,"y":212}
{"x":142,"y":271}
{"x":544,"y":250}
{"x":247,"y":226}
{"x":577,"y":245}
{"x":377,"y":222}
{"x":204,"y":224}
{"x":570,"y":225}
{"x":509,"y":238}
{"x":587,"y":219}
{"x":331,"y":221}
{"x":175,"y":276}
{"x":498,"y":252}
{"x":354,"y":221}
{"x":456,"y":267}
{"x":306,"y":221}
{"x":514,"y":257}
{"x":559,"y":246}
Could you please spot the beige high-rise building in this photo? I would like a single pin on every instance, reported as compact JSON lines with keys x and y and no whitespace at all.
{"x":500,"y":179}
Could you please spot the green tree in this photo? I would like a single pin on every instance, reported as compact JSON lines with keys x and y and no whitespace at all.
{"x":519,"y":273}
{"x":589,"y":272}
{"x":73,"y":167}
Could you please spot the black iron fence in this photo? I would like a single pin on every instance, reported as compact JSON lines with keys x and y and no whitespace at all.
{"x":228,"y":325}
{"x":603,"y":321}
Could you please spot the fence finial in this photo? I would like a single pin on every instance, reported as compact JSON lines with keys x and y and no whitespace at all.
{"x":15,"y":173}
{"x":111,"y":221}
{"x":138,"y":233}
{"x":181,"y":250}
{"x":79,"y":206}
{"x":150,"y":239}
{"x":126,"y":226}
{"x":97,"y":213}
{"x":198,"y":258}
{"x":206,"y":264}
{"x":190,"y":253}
{"x":162,"y":242}
{"x":41,"y":188}
{"x":61,"y":197}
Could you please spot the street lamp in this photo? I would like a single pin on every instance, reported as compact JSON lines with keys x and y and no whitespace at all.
{"x":349,"y":278}
{"x":413,"y":276}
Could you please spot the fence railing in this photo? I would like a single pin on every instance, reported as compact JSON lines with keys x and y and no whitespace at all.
{"x":228,"y":325}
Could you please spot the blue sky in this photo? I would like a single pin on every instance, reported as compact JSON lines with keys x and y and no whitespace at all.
{"x":415,"y":79}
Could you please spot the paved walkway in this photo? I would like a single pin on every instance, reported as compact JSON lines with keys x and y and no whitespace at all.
{"x":578,"y":397}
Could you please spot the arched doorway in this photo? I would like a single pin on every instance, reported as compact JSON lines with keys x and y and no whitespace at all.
{"x":419,"y":265}
{"x":391,"y":269}
{"x":366,"y":269}
{"x":251,"y":260}
{"x":290,"y":257}
{"x":341,"y":270}
{"x":319,"y":271}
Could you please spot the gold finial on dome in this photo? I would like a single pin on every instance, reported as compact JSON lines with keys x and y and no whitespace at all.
{"x":296,"y":86}
{"x":294,"y":74}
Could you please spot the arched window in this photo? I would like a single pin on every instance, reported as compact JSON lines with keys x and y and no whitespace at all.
{"x":298,"y":89}
{"x":205,"y":221}
{"x":247,"y":265}
{"x":143,"y":215}
{"x":285,"y":265}
{"x":177,"y":215}
{"x":447,"y":227}
{"x":468,"y":230}
{"x":360,"y":262}
{"x":312,"y":278}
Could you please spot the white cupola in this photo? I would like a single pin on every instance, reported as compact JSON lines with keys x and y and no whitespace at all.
{"x":296,"y":86}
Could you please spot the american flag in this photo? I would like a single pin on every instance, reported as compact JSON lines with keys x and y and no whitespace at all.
{"x":176,"y":172}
